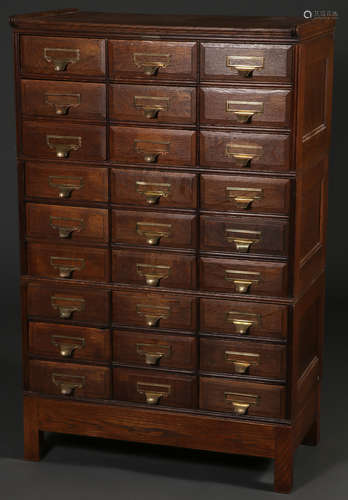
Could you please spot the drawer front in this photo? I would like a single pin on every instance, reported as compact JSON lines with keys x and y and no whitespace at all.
{"x":154,"y":229}
{"x":153,"y":104}
{"x":242,"y":398}
{"x":68,"y":304}
{"x":70,"y":380}
{"x":52,"y":140}
{"x":80,"y":263}
{"x":237,"y":193}
{"x":62,"y":57}
{"x":151,"y":188}
{"x":154,"y":311}
{"x":244,"y":235}
{"x":243,"y":319}
{"x":154,"y":269}
{"x":69,"y":342}
{"x":66,"y":182}
{"x":153,"y":146}
{"x":252,"y":277}
{"x":243,"y":358}
{"x":63,"y":223}
{"x":157,"y":60}
{"x":155,"y":389}
{"x":80,"y":101}
{"x":246,"y":63}
{"x":245,"y":151}
{"x":245,"y":107}
{"x":155,"y":351}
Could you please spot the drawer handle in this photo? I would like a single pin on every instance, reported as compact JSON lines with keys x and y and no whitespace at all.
{"x":65,"y":185}
{"x":153,"y":274}
{"x":153,"y":392}
{"x":242,"y":321}
{"x":244,"y":111}
{"x":66,"y":226}
{"x":67,"y":265}
{"x":153,"y":191}
{"x":242,"y":244}
{"x":245,"y":65}
{"x":153,"y":232}
{"x":153,"y":352}
{"x":151,"y":106}
{"x":67,"y":345}
{"x":151,"y":150}
{"x":242,"y":280}
{"x":62,"y":102}
{"x":63,"y":144}
{"x":243,"y":197}
{"x":243,"y":154}
{"x":61,"y":58}
{"x":67,"y":306}
{"x":152,"y":314}
{"x":68,"y":384}
{"x":241,"y":402}
{"x":241,"y":360}
{"x":151,"y":63}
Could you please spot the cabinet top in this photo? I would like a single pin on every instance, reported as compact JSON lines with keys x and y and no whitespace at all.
{"x":74,"y":20}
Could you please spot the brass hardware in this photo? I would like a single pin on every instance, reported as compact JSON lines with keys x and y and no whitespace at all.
{"x":67,"y":306}
{"x":151,"y":149}
{"x":152,"y":313}
{"x":153,"y":231}
{"x":65,"y":185}
{"x":66,"y":226}
{"x":63,"y":145}
{"x":242,"y":360}
{"x":244,"y":111}
{"x":151,"y":105}
{"x":153,"y":352}
{"x":62,"y":102}
{"x":244,"y":197}
{"x":153,"y":392}
{"x":68,"y":383}
{"x":242,"y":245}
{"x":243,"y":154}
{"x":245,"y":65}
{"x":243,"y":321}
{"x":61,"y":58}
{"x":153,"y":191}
{"x":67,"y":345}
{"x":151,"y":63}
{"x":241,"y":402}
{"x":153,"y":274}
{"x":242,"y":280}
{"x":67,"y":265}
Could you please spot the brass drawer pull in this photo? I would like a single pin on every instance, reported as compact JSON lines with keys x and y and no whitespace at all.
{"x":241,"y":402}
{"x":67,"y":265}
{"x":153,"y":352}
{"x":152,"y":313}
{"x":61,"y":58}
{"x":151,"y":63}
{"x":242,"y":238}
{"x":66,"y":226}
{"x":68,"y":383}
{"x":243,"y":154}
{"x":242,"y":280}
{"x":245,"y":65}
{"x":65,"y":185}
{"x":153,"y":191}
{"x":151,"y":106}
{"x":242,"y":360}
{"x":151,"y":149}
{"x":153,"y":274}
{"x":67,"y":345}
{"x":244,"y":111}
{"x":67,"y":305}
{"x":153,"y":392}
{"x":62,"y":102}
{"x":63,"y":145}
{"x":243,"y":197}
{"x":153,"y":232}
{"x":243,"y":321}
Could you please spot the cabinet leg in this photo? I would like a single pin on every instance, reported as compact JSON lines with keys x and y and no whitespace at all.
{"x":33,"y":437}
{"x":284,"y":463}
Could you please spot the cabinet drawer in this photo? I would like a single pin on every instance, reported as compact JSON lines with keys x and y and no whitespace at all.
{"x":69,"y":342}
{"x":153,"y":104}
{"x":52,"y":140}
{"x":154,"y":229}
{"x":67,"y":262}
{"x":66,"y":182}
{"x":154,"y":269}
{"x":244,"y":235}
{"x":153,"y":310}
{"x":156,"y":351}
{"x":151,"y":188}
{"x":246,"y":62}
{"x":237,"y":276}
{"x":158,"y":60}
{"x":63,"y":223}
{"x":80,"y":101}
{"x":153,"y":146}
{"x":242,"y":398}
{"x":246,"y":107}
{"x":245,"y":151}
{"x":245,"y":194}
{"x":251,"y":319}
{"x":155,"y":389}
{"x":71,"y":380}
{"x":243,"y":358}
{"x":62,"y":57}
{"x":68,"y":304}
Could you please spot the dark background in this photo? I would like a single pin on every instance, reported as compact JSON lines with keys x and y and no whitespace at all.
{"x":86,"y":468}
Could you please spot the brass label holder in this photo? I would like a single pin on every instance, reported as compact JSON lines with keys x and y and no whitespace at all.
{"x":63,"y":145}
{"x":153,"y":232}
{"x":244,"y":111}
{"x":243,"y":197}
{"x":66,"y":226}
{"x":151,"y":106}
{"x":61,"y":58}
{"x":242,"y":321}
{"x":241,"y":402}
{"x":65,"y":184}
{"x":151,"y":63}
{"x":67,"y":306}
{"x":62,"y":102}
{"x":68,"y":384}
{"x":67,"y":265}
{"x":245,"y":65}
{"x":153,"y":274}
{"x":152,"y":313}
{"x":153,"y":191}
{"x":242,"y":280}
{"x":242,"y":239}
{"x":243,"y":154}
{"x":153,"y":353}
{"x":67,"y":345}
{"x":151,"y":150}
{"x":153,"y":392}
{"x":242,"y":361}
